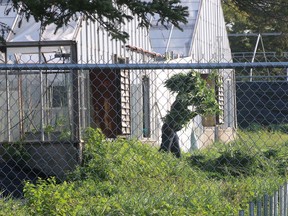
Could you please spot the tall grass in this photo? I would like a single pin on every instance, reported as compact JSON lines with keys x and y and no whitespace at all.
{"x":126,"y":177}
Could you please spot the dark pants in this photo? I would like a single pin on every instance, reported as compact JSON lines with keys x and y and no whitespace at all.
{"x":170,"y":141}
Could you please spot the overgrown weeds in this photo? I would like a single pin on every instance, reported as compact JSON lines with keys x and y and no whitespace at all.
{"x":126,"y":177}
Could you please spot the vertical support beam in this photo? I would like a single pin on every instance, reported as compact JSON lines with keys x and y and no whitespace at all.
{"x":285,"y":199}
{"x":276,"y":196}
{"x":271,"y":205}
{"x":281,"y":200}
{"x":20,"y":104}
{"x":41,"y":107}
{"x":75,"y":97}
{"x":83,"y":100}
{"x":265,"y":205}
{"x":8,"y":107}
{"x":259,"y":207}
{"x":251,"y":208}
{"x":42,"y":112}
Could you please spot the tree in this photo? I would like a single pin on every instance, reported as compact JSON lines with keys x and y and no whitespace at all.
{"x":193,"y":97}
{"x":258,"y":16}
{"x":268,"y":11}
{"x":4,"y":28}
{"x":110,"y":14}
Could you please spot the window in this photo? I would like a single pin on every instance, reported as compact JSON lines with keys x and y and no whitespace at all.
{"x":217,"y":84}
{"x":59,"y":96}
{"x":146,"y":106}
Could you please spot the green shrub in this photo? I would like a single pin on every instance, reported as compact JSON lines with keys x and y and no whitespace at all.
{"x":49,"y":198}
{"x":94,"y":163}
{"x":126,"y":177}
{"x":15,"y":153}
{"x":8,"y":207}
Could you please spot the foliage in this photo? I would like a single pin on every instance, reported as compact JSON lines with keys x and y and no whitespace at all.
{"x":111,"y":15}
{"x":238,"y":22}
{"x":261,"y":16}
{"x":8,"y":207}
{"x":94,"y":163}
{"x":274,"y":128}
{"x":50,"y":198}
{"x":15,"y":153}
{"x":4,"y":29}
{"x":60,"y":126}
{"x":273,"y":9}
{"x":138,"y":180}
{"x":194,"y":97}
{"x":248,"y":156}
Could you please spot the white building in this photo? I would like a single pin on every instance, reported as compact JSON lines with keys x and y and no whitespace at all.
{"x":120,"y":102}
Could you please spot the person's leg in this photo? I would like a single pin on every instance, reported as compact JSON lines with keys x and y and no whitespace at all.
{"x":166,"y":138}
{"x":175,"y":147}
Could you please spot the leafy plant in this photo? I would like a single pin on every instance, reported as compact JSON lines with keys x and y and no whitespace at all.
{"x":9,"y":206}
{"x":94,"y":162}
{"x":192,"y":91}
{"x":57,"y":130}
{"x":15,"y":153}
{"x":50,"y":198}
{"x":49,"y":129}
{"x":127,"y":177}
{"x":194,"y":97}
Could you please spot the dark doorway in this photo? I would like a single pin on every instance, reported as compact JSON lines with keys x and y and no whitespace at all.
{"x":106,"y":101}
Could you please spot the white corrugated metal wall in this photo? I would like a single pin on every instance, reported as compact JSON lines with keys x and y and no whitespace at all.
{"x":96,"y":46}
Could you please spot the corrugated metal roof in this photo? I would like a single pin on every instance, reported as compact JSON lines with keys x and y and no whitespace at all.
{"x":31,"y":31}
{"x":172,"y":39}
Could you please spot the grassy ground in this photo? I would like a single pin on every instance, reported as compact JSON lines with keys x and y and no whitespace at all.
{"x":129,"y":178}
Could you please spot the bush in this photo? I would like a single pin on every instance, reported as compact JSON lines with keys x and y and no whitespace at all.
{"x":126,"y":177}
{"x":15,"y":153}
{"x":8,"y":206}
{"x":50,"y":198}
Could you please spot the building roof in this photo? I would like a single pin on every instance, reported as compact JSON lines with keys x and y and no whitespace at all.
{"x":31,"y":31}
{"x":171,"y":39}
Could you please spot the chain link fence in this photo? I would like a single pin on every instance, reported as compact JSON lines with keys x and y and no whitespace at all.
{"x":46,"y":109}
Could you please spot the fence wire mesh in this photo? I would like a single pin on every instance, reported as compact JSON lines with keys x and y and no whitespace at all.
{"x":225,"y":160}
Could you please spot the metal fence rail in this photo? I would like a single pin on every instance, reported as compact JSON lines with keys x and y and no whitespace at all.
{"x":159,"y":65}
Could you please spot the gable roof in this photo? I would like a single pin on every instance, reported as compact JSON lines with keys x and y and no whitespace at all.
{"x":204,"y":38}
{"x":31,"y":31}
{"x":171,"y":39}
